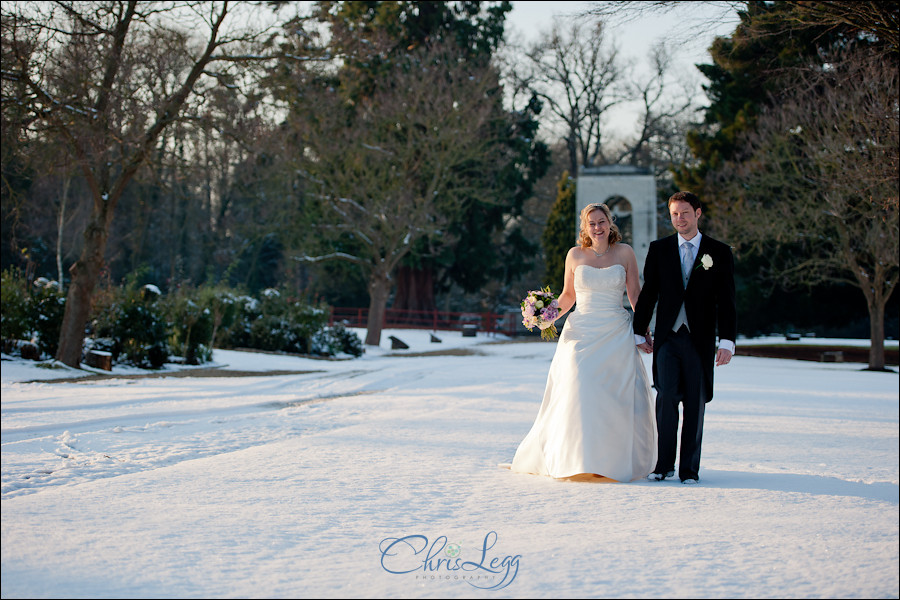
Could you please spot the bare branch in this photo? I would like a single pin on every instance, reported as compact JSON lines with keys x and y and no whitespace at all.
{"x":332,"y":256}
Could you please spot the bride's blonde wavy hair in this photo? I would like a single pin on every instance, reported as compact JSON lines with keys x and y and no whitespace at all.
{"x":584,"y":240}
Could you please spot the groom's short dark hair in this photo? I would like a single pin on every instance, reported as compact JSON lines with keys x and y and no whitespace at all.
{"x":688,"y":197}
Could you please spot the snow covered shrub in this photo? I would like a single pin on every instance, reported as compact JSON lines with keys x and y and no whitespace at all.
{"x":102,"y":344}
{"x":276,"y":322}
{"x":191,"y":325}
{"x":48,"y":305}
{"x":134,"y":319}
{"x":307,"y":320}
{"x":31,"y":313}
{"x":351,"y":343}
{"x":325,"y":342}
{"x":237,"y":334}
{"x":15,"y":317}
{"x":273,"y":332}
{"x":335,"y":340}
{"x":223,"y":306}
{"x":142,"y":335}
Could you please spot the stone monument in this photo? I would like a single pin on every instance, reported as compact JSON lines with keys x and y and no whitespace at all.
{"x":630,"y":193}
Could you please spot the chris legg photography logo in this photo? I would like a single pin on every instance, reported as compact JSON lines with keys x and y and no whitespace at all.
{"x":443,"y":561}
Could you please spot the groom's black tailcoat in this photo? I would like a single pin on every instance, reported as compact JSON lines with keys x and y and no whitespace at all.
{"x":709,"y":299}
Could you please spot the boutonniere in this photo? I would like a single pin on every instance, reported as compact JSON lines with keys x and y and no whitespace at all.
{"x":706,"y":262}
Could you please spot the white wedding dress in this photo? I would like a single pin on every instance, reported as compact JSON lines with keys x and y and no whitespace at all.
{"x":598,"y":414}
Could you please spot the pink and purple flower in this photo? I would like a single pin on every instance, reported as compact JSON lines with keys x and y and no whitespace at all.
{"x":540,"y":309}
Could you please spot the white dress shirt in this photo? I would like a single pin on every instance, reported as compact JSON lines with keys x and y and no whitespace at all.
{"x":694,"y":247}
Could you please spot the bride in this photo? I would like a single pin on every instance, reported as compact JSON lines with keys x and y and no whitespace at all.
{"x":598,"y":415}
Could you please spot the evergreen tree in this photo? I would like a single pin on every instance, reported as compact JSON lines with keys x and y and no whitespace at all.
{"x":747,"y":68}
{"x":481,"y":241}
{"x":485,"y":242}
{"x":560,"y":234}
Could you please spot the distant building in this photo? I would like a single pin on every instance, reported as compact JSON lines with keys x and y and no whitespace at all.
{"x":630,"y":193}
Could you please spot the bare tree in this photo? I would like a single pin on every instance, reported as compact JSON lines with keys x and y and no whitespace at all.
{"x":818,"y":177}
{"x":664,"y":115}
{"x":623,"y":11}
{"x":84,"y":70}
{"x":390,"y":170}
{"x":576,"y":72}
{"x":876,"y":17}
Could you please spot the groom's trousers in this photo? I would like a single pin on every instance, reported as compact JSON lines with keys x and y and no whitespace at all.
{"x":680,"y":380}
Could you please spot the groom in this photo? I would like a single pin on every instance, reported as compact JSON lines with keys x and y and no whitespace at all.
{"x":689,"y":278}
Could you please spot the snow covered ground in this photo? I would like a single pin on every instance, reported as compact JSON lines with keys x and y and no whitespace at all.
{"x":379,"y":477}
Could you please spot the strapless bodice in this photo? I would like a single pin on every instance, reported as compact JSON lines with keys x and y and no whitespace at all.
{"x":599,"y":288}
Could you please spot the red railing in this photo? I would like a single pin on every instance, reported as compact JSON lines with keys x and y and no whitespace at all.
{"x":436,"y":320}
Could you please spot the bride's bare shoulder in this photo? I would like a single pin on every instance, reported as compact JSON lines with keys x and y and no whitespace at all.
{"x":625,"y":248}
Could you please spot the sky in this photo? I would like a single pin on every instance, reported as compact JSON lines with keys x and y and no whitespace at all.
{"x":695,"y":24}
{"x":689,"y":29}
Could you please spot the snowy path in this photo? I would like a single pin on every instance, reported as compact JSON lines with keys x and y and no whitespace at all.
{"x":287,"y":486}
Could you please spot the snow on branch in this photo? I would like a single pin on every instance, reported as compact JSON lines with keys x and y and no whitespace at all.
{"x":377,"y":149}
{"x":332,"y":256}
{"x":352,"y":203}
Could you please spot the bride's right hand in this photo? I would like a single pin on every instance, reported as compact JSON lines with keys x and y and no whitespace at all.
{"x":647,"y":346}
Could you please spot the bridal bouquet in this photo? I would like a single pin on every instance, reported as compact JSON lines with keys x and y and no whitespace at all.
{"x":539,"y":309}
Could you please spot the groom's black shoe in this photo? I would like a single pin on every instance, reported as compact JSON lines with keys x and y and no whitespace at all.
{"x":660,"y":476}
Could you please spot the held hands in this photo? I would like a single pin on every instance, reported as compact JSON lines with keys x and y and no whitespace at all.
{"x":647,"y":346}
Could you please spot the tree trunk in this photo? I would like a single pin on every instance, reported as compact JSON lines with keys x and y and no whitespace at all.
{"x":876,"y":333}
{"x":573,"y":154}
{"x":379,"y":290}
{"x":85,"y":274}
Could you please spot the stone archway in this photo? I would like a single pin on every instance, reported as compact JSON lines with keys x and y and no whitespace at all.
{"x":630,"y":193}
{"x":621,"y":212}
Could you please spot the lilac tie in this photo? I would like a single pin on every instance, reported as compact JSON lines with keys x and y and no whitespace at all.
{"x":686,"y":262}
